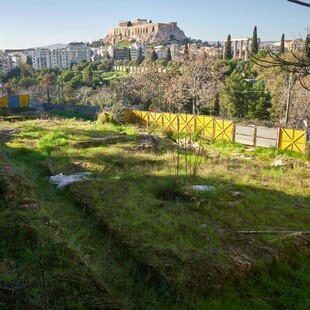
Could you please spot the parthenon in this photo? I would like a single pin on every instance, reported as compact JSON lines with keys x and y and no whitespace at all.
{"x":240,"y":51}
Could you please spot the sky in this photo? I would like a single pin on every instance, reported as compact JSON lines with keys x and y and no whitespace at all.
{"x":33,"y":23}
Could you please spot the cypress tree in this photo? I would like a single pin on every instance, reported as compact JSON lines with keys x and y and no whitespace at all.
{"x":254,"y":49}
{"x":217,"y":105}
{"x":282,"y":49}
{"x":186,"y":52}
{"x":140,"y":57}
{"x":228,"y":52}
{"x":154,"y":56}
{"x":168,"y":57}
{"x":129,"y":55}
{"x":307,"y":46}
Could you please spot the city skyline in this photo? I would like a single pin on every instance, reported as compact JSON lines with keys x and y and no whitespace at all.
{"x":32,"y":24}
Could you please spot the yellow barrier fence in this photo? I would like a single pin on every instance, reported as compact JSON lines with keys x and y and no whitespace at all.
{"x":216,"y":129}
{"x":4,"y":102}
{"x":293,"y":140}
{"x":24,"y":101}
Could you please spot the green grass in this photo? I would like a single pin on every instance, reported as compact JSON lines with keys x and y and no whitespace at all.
{"x":153,"y":241}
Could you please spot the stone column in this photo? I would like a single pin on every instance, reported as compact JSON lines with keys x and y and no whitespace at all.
{"x":246,"y":50}
{"x":240,"y":49}
{"x":235,"y":49}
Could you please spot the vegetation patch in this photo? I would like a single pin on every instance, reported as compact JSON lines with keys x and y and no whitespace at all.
{"x":172,"y":243}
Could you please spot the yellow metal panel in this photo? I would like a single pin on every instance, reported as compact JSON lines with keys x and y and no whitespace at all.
{"x":223,"y":130}
{"x":152,"y":117}
{"x":127,"y":116}
{"x":293,"y":140}
{"x":144,"y":117}
{"x":205,"y":125}
{"x":24,"y":101}
{"x":156,"y":118}
{"x":187,"y":123}
{"x":170,"y":122}
{"x":136,"y":116}
{"x":4,"y":102}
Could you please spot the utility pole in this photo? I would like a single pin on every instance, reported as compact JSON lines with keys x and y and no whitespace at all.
{"x":288,"y":101}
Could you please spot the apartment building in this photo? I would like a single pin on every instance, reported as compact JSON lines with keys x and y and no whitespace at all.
{"x":61,"y":58}
{"x":58,"y":58}
{"x":78,"y":51}
{"x":6,"y":63}
{"x":295,"y":45}
{"x":134,"y":51}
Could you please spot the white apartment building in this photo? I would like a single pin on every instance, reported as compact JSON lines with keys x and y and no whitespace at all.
{"x":176,"y":50}
{"x":39,"y":58}
{"x":78,"y":51}
{"x":295,"y":45}
{"x":161,"y":52}
{"x":58,"y":58}
{"x":6,"y":63}
{"x":134,"y":51}
{"x":275,"y":47}
{"x":61,"y":58}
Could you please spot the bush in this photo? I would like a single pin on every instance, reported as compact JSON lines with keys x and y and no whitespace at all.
{"x":115,"y":115}
{"x":104,"y":118}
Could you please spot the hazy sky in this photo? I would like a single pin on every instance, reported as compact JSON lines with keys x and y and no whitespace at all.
{"x":30,"y":23}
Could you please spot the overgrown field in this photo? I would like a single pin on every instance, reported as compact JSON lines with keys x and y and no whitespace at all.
{"x":137,"y":234}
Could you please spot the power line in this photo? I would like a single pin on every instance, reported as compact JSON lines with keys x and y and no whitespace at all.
{"x":300,"y":3}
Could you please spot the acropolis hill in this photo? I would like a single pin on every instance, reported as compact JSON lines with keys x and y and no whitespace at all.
{"x":142,"y":31}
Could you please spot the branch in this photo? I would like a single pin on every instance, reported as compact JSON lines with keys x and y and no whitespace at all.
{"x":300,"y":3}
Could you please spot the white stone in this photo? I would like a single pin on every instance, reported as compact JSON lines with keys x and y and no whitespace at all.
{"x":203,"y":188}
{"x":62,"y":180}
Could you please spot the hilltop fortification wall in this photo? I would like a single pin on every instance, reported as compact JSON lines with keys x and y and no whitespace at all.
{"x":143,"y":32}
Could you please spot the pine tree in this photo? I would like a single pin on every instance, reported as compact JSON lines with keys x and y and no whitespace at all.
{"x":140,"y":57}
{"x":217,"y":105}
{"x":254,"y":48}
{"x":228,"y":52}
{"x":282,"y":48}
{"x":153,"y":56}
{"x":168,"y":57}
{"x":307,"y":46}
{"x":186,"y":52}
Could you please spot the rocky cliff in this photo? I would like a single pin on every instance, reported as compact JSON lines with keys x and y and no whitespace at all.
{"x":143,"y":32}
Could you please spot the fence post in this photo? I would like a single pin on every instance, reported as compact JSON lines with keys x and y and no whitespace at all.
{"x":255,"y":136}
{"x":279,"y":136}
{"x":233,"y":132}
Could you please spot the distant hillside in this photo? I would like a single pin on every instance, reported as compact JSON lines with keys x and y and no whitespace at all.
{"x":55,"y":46}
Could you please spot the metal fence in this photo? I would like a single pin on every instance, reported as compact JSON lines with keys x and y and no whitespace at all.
{"x":222,"y":130}
{"x":13,"y":102}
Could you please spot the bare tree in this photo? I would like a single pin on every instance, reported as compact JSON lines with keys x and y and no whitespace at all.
{"x":299,"y":65}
